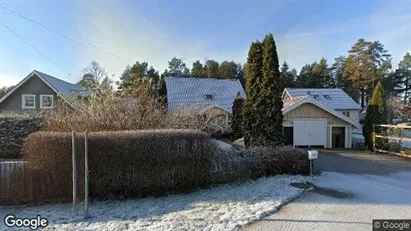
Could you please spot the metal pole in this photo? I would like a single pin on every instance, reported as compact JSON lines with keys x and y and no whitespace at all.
{"x":86,"y":199}
{"x":311,"y":168}
{"x":74,"y":162}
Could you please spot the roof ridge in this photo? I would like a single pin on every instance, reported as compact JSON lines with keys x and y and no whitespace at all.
{"x":50,"y":76}
{"x":176,"y":77}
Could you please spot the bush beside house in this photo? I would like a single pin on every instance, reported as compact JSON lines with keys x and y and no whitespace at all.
{"x":14,"y":129}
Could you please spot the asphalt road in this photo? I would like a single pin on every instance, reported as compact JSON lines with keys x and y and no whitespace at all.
{"x":380,"y":186}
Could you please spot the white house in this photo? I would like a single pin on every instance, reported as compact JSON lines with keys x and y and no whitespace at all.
{"x":319,"y":117}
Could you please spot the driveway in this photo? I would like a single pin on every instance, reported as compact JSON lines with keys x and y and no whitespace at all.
{"x":380,"y":186}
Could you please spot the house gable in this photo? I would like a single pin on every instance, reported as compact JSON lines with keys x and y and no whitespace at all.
{"x":311,"y":111}
{"x":34,"y":85}
{"x":304,"y":100}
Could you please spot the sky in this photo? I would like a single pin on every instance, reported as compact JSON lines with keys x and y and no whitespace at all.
{"x":156,"y":31}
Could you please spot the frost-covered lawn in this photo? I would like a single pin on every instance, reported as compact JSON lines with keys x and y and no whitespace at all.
{"x":225,"y":207}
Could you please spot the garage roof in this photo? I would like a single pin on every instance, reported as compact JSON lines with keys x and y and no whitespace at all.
{"x":334,"y":98}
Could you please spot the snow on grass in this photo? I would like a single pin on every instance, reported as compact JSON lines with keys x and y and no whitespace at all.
{"x":225,"y":207}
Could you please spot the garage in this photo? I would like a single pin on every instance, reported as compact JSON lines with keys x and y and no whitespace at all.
{"x":310,"y":132}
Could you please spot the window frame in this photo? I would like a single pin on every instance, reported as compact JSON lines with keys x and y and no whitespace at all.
{"x":346,"y":113}
{"x":23,"y":101}
{"x":41,"y":102}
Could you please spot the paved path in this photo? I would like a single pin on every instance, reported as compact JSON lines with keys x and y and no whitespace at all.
{"x":380,"y":185}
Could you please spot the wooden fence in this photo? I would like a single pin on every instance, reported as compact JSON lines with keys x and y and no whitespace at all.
{"x":16,"y":183}
{"x":392,"y":139}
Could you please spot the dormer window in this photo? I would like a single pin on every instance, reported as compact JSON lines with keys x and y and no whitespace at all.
{"x":327,"y":97}
{"x":209,"y":97}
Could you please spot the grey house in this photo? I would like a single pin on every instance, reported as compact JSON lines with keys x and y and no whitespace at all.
{"x":39,"y":91}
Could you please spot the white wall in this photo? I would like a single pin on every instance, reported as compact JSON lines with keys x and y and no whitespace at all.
{"x":354,"y":114}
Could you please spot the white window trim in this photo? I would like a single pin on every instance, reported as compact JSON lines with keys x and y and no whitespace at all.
{"x":52,"y":102}
{"x":23,"y":101}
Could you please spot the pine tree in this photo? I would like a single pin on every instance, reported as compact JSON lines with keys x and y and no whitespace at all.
{"x":287,"y":76}
{"x":211,"y":68}
{"x":270,"y":95}
{"x":376,"y":114}
{"x":366,"y":64}
{"x":227,"y":70}
{"x":253,"y":78}
{"x":197,"y":70}
{"x":238,"y":117}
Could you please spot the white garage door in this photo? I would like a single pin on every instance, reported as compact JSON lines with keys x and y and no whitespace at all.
{"x":310,"y":132}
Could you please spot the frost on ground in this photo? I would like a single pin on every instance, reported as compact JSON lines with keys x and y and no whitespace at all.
{"x":225,"y":207}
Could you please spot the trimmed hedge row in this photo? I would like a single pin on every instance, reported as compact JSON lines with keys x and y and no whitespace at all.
{"x":246,"y":164}
{"x":124,"y":164}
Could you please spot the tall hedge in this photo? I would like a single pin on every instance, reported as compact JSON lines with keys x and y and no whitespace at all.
{"x":123,"y":164}
{"x":376,"y":114}
{"x":238,"y":117}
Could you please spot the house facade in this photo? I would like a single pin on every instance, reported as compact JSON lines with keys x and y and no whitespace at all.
{"x":322,"y":118}
{"x":38,"y":92}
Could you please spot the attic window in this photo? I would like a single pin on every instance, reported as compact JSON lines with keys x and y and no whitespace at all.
{"x":209,"y":97}
{"x":46,"y":101}
{"x":28,"y":101}
{"x":327,"y":97}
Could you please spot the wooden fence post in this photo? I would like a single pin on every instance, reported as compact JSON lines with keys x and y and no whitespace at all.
{"x":86,"y":198}
{"x":74,"y":162}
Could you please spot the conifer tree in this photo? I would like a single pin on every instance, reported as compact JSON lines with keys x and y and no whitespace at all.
{"x":270,"y":95}
{"x":376,"y":114}
{"x":253,"y":78}
{"x":238,"y":117}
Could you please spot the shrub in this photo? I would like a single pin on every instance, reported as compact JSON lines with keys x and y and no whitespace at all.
{"x":14,"y":129}
{"x":237,"y":164}
{"x":265,"y":161}
{"x":124,"y":164}
{"x":114,"y":113}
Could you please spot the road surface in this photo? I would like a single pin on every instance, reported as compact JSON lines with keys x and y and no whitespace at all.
{"x":380,"y":186}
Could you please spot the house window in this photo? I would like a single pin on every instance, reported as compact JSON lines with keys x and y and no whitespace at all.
{"x":209,"y":97}
{"x":327,"y":97}
{"x":28,"y":101}
{"x":46,"y":101}
{"x":346,"y":113}
{"x":316,"y":97}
